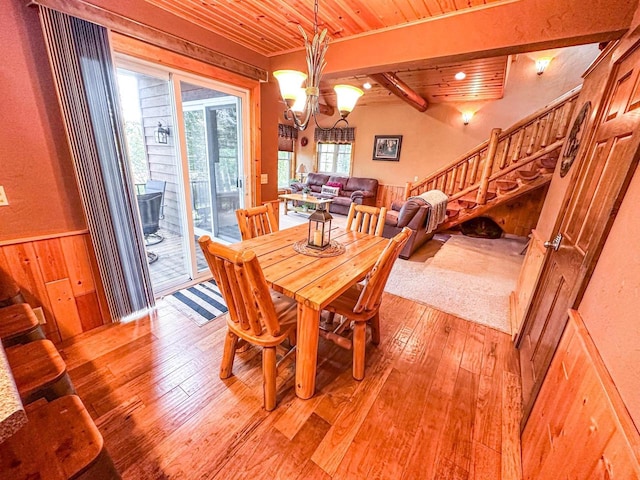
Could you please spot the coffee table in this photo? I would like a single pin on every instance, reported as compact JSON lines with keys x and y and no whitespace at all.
{"x":301,"y":197}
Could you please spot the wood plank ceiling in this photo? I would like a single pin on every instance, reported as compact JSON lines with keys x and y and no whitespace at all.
{"x":270,"y":27}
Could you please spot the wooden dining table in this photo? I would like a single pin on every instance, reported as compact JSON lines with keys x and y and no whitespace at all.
{"x":313,"y":282}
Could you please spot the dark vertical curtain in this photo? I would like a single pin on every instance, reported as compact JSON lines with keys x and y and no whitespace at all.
{"x":85,"y":79}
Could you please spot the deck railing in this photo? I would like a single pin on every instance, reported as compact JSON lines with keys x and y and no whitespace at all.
{"x":517,"y":147}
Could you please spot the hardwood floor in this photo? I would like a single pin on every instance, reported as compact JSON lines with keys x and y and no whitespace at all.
{"x":440,"y":400}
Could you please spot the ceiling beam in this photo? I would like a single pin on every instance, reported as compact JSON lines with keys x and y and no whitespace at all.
{"x":498,"y":29}
{"x":400,"y":89}
{"x":138,"y":24}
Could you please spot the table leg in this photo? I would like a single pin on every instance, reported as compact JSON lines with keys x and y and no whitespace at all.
{"x":286,"y":206}
{"x":307,"y":351}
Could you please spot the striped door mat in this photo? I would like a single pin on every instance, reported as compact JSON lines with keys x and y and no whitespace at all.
{"x":202,"y":302}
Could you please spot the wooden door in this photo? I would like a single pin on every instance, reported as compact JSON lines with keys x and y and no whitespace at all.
{"x":597,"y":192}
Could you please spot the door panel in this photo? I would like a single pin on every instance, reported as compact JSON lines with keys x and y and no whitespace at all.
{"x":599,"y":188}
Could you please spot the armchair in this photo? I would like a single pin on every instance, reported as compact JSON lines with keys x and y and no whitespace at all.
{"x":410,"y":213}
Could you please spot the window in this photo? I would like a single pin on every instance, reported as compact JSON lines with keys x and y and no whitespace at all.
{"x":334,"y":158}
{"x":284,"y":168}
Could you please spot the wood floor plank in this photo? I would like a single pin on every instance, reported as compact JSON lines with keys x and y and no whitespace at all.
{"x":398,"y":408}
{"x":423,"y":458}
{"x":430,"y":406}
{"x":511,"y":415}
{"x":335,"y":444}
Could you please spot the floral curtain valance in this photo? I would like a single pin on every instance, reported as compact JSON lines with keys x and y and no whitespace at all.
{"x":286,"y":136}
{"x":336,"y":135}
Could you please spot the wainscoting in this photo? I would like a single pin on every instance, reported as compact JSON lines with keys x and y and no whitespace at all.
{"x":579,"y":426}
{"x":388,"y":193}
{"x":59,"y":274}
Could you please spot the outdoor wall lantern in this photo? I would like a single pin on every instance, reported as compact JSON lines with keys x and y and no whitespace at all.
{"x":319,"y":229}
{"x":162,"y":134}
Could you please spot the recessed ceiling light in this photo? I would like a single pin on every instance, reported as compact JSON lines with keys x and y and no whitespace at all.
{"x":460,"y":76}
{"x":366,"y":86}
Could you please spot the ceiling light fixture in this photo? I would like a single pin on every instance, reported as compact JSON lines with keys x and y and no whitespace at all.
{"x":302,"y":103}
{"x":366,"y":86}
{"x":542,"y":64}
{"x":460,"y":76}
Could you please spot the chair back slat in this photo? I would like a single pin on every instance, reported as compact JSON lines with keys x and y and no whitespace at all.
{"x":366,"y":219}
{"x":243,"y":286}
{"x":376,"y":279}
{"x":256,"y":221}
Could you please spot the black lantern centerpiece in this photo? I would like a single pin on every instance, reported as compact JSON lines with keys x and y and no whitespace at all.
{"x":319,"y":229}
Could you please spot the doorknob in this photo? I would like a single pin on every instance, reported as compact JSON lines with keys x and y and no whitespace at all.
{"x":555,"y":243}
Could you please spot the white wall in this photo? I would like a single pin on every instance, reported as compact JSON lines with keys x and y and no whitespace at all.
{"x":437,"y":137}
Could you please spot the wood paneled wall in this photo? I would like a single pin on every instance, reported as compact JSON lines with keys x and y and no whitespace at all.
{"x":527,"y":280}
{"x":60,"y":275}
{"x":388,"y":193}
{"x":579,"y":427}
{"x":520,"y":216}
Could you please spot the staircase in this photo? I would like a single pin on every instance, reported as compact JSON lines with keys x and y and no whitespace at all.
{"x":510,"y":164}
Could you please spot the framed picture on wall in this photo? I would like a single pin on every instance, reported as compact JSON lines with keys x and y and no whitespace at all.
{"x":387,"y":147}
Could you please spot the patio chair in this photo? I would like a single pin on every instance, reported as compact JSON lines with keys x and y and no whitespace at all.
{"x":360,"y":304}
{"x":256,"y":221}
{"x":257,"y":314}
{"x":154,"y":186}
{"x":149,"y":207}
{"x":366,"y":219}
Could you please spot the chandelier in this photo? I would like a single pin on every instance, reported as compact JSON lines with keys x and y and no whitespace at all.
{"x":303,"y":103}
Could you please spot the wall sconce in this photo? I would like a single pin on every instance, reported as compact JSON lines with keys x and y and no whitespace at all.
{"x":542,"y":64}
{"x":466,"y":117}
{"x":162,"y":134}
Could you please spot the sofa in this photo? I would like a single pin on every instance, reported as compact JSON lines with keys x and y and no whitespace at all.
{"x":410,"y":213}
{"x":350,"y":189}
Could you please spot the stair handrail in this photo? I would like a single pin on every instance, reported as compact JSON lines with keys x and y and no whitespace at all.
{"x":460,"y":162}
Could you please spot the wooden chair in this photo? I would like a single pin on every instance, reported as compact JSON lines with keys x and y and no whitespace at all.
{"x":257,"y":314}
{"x":59,"y":442}
{"x":18,"y":324}
{"x":256,"y":221}
{"x":39,"y":371}
{"x":361,"y":304}
{"x":10,"y":293}
{"x":366,"y":219}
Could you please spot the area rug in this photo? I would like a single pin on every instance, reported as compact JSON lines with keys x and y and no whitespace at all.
{"x":202,"y":302}
{"x":471,"y":278}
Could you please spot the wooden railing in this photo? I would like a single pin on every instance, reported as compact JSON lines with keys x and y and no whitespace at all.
{"x":540,"y":134}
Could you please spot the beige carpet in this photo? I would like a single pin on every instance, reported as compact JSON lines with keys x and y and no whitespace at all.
{"x":467,"y":277}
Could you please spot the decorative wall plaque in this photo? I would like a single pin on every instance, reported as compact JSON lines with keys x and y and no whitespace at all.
{"x":573,"y":142}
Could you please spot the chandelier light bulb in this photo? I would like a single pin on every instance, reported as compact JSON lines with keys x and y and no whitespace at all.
{"x":290,"y":82}
{"x":347,"y":98}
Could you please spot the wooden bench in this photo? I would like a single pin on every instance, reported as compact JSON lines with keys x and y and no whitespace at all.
{"x":18,"y":324}
{"x":60,"y":441}
{"x":39,"y":371}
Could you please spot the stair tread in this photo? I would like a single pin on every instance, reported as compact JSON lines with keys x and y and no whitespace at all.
{"x":528,"y":175}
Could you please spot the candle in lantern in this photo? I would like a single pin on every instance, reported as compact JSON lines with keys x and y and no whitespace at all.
{"x":317,"y":238}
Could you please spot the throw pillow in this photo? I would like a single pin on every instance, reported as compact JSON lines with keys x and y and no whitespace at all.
{"x":330,"y":191}
{"x":337,"y":185}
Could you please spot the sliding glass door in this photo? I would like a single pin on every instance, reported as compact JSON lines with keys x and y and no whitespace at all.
{"x":186,"y":138}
